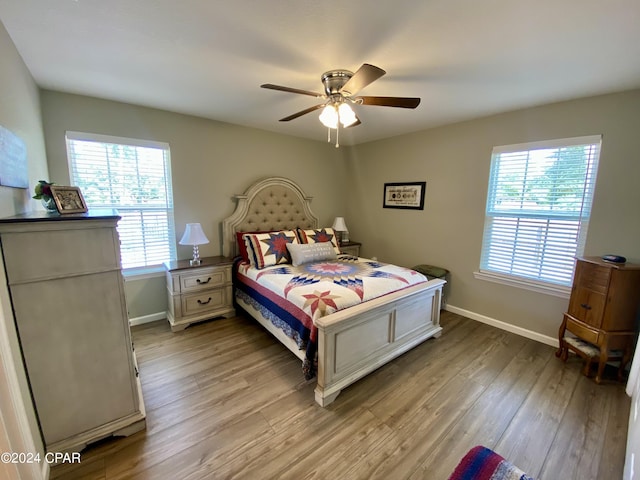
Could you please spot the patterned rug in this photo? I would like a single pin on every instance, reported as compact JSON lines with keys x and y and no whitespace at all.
{"x":482,"y":463}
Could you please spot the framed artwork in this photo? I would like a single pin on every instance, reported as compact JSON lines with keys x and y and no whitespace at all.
{"x":68,"y":199}
{"x":404,"y":195}
{"x":13,"y":160}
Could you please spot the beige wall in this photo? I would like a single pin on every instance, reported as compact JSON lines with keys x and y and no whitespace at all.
{"x":211,"y":161}
{"x":455,"y":160}
{"x":20,"y":113}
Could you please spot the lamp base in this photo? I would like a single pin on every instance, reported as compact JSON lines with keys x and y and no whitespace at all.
{"x":196,"y":256}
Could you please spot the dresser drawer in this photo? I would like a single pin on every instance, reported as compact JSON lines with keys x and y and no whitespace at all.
{"x":209,"y":301}
{"x":204,"y":279}
{"x":582,"y":331}
{"x":34,"y":256}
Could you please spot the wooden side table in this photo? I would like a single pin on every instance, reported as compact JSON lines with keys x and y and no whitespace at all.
{"x":351,"y":248}
{"x":600,"y":324}
{"x":199,"y":292}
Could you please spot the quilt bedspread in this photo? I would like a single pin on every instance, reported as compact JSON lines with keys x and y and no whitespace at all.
{"x":294,"y":297}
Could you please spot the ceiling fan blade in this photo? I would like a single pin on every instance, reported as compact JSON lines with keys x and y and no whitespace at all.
{"x":365,"y":75}
{"x":302,"y":112}
{"x":402,"y":102}
{"x":291,"y":90}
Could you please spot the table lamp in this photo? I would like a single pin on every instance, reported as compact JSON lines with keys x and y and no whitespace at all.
{"x":193,"y":235}
{"x":340,"y":226}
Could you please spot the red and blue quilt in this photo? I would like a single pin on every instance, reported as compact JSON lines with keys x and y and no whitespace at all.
{"x":292,"y":298}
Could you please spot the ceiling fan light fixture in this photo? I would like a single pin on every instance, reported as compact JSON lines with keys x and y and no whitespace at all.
{"x":329,"y":116}
{"x":332,"y":114}
{"x":340,"y":90}
{"x":346,"y":115}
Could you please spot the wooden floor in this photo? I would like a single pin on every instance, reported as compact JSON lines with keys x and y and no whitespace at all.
{"x":225,"y":400}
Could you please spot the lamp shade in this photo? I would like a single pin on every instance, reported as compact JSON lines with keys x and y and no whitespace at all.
{"x":193,"y":235}
{"x":339,"y":225}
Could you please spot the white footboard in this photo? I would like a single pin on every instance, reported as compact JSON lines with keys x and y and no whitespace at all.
{"x":355,"y":341}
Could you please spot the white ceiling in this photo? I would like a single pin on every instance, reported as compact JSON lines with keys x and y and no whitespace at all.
{"x":464,"y":58}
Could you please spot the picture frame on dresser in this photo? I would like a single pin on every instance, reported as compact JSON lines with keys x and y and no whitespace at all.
{"x":68,"y":199}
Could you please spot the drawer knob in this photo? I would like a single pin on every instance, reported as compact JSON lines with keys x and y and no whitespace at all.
{"x":204,"y":303}
{"x":585,"y":306}
{"x":200,"y":282}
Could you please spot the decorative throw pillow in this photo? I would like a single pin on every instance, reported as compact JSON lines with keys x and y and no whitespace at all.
{"x":319,"y":235}
{"x":242,"y":246}
{"x":267,"y":249}
{"x":312,"y":252}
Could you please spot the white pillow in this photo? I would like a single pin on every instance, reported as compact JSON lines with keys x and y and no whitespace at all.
{"x":310,"y":252}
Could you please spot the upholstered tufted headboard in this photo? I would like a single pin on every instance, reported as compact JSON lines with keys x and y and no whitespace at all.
{"x":272,"y":204}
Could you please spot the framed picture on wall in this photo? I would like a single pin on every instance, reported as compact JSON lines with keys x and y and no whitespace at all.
{"x":68,"y":199}
{"x":404,"y":195}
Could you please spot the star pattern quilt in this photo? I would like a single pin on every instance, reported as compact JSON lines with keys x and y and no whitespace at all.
{"x":294,"y":297}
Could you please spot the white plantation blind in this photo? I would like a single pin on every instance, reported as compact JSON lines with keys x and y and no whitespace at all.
{"x":538,"y":208}
{"x":133,"y":177}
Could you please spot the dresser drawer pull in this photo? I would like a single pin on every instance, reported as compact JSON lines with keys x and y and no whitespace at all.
{"x":200,"y":282}
{"x":204,"y":303}
{"x":585,"y":306}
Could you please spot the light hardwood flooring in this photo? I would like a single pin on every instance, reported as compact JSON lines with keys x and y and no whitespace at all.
{"x":225,"y":400}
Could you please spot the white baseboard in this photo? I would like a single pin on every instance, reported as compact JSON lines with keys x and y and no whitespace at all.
{"x":147,"y":318}
{"x":523,"y":332}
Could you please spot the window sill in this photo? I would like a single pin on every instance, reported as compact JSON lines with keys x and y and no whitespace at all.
{"x":142,"y":273}
{"x":539,"y":287}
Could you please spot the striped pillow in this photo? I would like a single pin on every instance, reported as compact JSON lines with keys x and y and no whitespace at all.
{"x":267,"y":249}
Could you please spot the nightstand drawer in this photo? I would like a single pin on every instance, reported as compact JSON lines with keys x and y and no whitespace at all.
{"x":582,"y":331}
{"x":204,"y":302}
{"x":351,"y":248}
{"x":204,"y":279}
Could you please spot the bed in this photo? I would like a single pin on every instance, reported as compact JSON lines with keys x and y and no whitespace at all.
{"x":350,"y":342}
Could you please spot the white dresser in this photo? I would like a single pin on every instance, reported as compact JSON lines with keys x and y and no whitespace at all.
{"x":67,"y":293}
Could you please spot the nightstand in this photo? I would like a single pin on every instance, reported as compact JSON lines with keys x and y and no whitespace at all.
{"x":351,"y":248}
{"x":199,"y":292}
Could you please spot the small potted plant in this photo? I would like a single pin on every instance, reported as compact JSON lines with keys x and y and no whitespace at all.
{"x":43,"y":193}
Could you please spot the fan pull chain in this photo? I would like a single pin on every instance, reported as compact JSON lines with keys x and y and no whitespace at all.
{"x":338,"y":128}
{"x":337,"y":132}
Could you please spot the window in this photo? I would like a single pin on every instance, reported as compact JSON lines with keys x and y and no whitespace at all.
{"x":538,"y":208}
{"x":133,"y":177}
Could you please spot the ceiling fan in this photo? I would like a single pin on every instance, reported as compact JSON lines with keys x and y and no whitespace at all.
{"x":340,"y":90}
